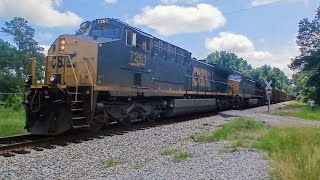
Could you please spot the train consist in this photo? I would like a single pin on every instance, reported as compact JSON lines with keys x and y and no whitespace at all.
{"x":113,"y":72}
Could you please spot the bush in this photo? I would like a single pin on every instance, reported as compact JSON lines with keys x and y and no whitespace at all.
{"x":13,"y":102}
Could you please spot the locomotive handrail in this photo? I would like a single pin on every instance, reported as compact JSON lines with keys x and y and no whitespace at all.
{"x":91,"y":99}
{"x":74,"y":73}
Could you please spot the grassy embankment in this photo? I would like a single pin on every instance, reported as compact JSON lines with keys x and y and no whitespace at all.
{"x":12,"y":122}
{"x":295,"y":151}
{"x":299,"y":110}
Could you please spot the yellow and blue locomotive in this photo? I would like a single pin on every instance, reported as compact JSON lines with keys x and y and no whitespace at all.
{"x":113,"y":72}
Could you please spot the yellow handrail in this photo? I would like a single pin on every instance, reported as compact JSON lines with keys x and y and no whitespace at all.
{"x":91,"y":83}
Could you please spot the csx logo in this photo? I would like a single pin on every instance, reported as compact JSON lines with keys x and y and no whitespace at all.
{"x":201,"y":77}
{"x":59,"y":62}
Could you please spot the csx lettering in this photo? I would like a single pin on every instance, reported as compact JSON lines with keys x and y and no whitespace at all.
{"x":137,"y":59}
{"x":202,"y":77}
{"x":59,"y":62}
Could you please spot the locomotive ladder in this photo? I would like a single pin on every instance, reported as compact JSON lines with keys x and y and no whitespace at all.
{"x":79,"y":108}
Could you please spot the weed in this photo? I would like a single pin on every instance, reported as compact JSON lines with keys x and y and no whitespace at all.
{"x":229,"y":130}
{"x":179,"y":156}
{"x":301,"y":110}
{"x":110,"y":162}
{"x":170,"y":151}
{"x":294,"y":151}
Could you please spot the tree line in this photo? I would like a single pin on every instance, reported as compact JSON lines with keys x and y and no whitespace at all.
{"x":15,"y":56}
{"x":307,"y":79}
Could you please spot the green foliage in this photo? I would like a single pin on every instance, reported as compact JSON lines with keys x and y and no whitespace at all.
{"x":295,"y":151}
{"x":278,"y":77}
{"x":12,"y":122}
{"x":110,"y":162}
{"x":307,"y":84}
{"x":169,"y":151}
{"x":303,"y":111}
{"x":230,"y":60}
{"x":13,"y":102}
{"x":178,"y":155}
{"x":229,"y":130}
{"x":15,"y":60}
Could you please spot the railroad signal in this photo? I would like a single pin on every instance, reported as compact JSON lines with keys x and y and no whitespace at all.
{"x":268,"y":85}
{"x":268,"y":93}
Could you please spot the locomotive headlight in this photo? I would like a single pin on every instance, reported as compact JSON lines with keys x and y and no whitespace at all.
{"x":62,"y":47}
{"x":52,"y":78}
{"x":28,"y":80}
{"x":55,"y":78}
{"x":62,"y":43}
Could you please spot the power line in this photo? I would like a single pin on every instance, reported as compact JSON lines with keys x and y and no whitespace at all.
{"x":246,"y":9}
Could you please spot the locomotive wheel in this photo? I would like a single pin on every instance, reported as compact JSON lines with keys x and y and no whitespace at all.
{"x":98,"y":122}
{"x":133,"y":115}
{"x":152,"y":118}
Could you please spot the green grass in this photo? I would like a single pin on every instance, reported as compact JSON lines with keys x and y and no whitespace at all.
{"x":295,"y":152}
{"x":231,"y":130}
{"x":169,"y":151}
{"x":110,"y":162}
{"x":294,"y":104}
{"x":302,"y":111}
{"x":178,"y":155}
{"x":12,"y":122}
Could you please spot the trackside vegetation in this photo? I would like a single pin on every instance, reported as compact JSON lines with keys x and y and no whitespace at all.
{"x":300,"y":110}
{"x":295,"y":152}
{"x":178,"y":155}
{"x":12,"y":117}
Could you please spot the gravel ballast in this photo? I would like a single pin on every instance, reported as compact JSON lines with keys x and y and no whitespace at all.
{"x":139,"y":156}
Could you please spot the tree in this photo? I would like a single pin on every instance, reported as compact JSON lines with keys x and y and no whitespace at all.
{"x":230,"y":60}
{"x":17,"y":58}
{"x":308,"y":62}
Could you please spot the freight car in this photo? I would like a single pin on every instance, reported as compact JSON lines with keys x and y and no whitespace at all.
{"x":113,"y":72}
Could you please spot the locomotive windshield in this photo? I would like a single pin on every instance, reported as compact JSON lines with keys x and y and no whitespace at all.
{"x":102,"y":28}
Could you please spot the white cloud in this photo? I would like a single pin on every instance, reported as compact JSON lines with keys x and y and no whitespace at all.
{"x":41,"y":13}
{"x":172,"y":19}
{"x":179,"y":1}
{"x":111,"y":1}
{"x":244,"y":47}
{"x":44,"y":36}
{"x":46,"y":48}
{"x":264,"y":2}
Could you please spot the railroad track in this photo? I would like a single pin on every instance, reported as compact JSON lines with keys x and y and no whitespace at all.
{"x":9,"y":146}
{"x":24,"y":144}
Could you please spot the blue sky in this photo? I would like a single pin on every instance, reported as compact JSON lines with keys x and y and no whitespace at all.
{"x":263,"y":34}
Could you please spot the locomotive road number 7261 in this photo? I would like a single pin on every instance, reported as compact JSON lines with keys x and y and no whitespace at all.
{"x":137,"y":59}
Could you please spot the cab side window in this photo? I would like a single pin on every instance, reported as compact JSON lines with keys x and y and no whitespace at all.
{"x":131,"y":38}
{"x":143,"y":43}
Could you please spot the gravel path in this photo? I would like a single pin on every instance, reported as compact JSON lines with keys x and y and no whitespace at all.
{"x":260,"y":114}
{"x":139,"y":156}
